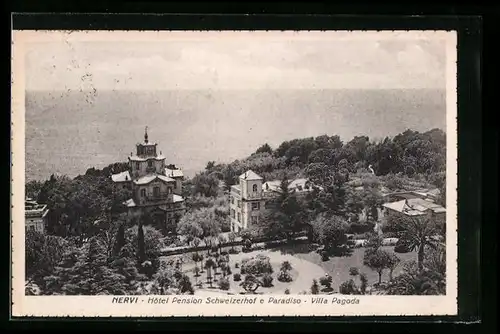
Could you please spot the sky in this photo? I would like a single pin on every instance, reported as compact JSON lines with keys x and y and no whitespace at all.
{"x":235,"y":62}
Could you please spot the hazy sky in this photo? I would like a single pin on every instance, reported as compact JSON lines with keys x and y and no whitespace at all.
{"x":235,"y":63}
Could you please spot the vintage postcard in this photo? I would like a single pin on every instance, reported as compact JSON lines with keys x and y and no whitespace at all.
{"x":234,"y":173}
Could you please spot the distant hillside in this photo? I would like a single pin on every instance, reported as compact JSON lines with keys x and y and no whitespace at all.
{"x":69,"y":132}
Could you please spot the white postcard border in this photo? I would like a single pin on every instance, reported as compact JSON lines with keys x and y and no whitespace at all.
{"x":105,"y":306}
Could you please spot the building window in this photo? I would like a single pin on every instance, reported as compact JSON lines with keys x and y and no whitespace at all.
{"x":255,"y":219}
{"x":32,"y":228}
{"x":239,"y":203}
{"x":137,"y":165}
{"x":254,"y":188}
{"x":156,"y":191}
{"x":239,"y":217}
{"x":232,"y":200}
{"x":169,"y":190}
{"x":175,"y":185}
{"x":143,"y":192}
{"x":233,"y":213}
{"x":150,"y":163}
{"x":255,"y":206}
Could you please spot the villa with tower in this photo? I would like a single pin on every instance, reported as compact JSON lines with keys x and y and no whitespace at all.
{"x":250,"y":198}
{"x":156,"y":187}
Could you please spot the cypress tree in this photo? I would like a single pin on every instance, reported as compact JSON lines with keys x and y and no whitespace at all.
{"x":120,"y":240}
{"x":141,"y":250}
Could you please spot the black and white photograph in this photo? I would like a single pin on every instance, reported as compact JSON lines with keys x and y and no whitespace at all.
{"x":232,"y":166}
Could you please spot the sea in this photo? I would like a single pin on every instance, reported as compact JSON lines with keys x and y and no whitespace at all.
{"x":68,"y":132}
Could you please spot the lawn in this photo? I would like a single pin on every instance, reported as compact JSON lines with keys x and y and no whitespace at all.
{"x":306,"y":263}
{"x":338,"y":267}
{"x":303,"y":272}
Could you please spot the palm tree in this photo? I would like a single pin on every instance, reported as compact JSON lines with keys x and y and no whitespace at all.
{"x":209,"y":264}
{"x":417,"y":282}
{"x":208,"y":242}
{"x":196,"y":242}
{"x":196,"y":258}
{"x":222,"y":240}
{"x":216,"y":263}
{"x":418,"y":232}
{"x":232,"y":238}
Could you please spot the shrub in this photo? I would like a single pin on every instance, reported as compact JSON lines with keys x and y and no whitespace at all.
{"x":359,"y":228}
{"x":287,"y":291}
{"x":363,"y":236}
{"x":348,"y":288}
{"x":353,"y":271}
{"x":258,"y":265}
{"x":364,"y":283}
{"x":267,"y":281}
{"x":326,"y":281}
{"x":314,"y":287}
{"x":286,"y":266}
{"x":246,"y":235}
{"x":237,"y":277}
{"x":233,"y":251}
{"x":401,"y":246}
{"x":284,"y":276}
{"x":224,"y":284}
{"x":180,"y":243}
{"x":247,"y":247}
{"x":324,"y":256}
{"x":250,"y":284}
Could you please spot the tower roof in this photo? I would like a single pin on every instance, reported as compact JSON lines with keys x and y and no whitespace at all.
{"x":146,"y":141}
{"x":250,"y":175}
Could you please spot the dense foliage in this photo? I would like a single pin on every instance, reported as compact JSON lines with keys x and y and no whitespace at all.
{"x":91,"y":247}
{"x":410,"y":153}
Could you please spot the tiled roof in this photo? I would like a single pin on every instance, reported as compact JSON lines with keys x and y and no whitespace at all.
{"x":121,"y":177}
{"x":422,"y":205}
{"x":300,"y":185}
{"x":177,"y":198}
{"x":174,"y":172}
{"x":297,"y":185}
{"x":146,"y":144}
{"x":129,"y":203}
{"x":271,"y":185}
{"x":396,"y":206}
{"x":137,"y":158}
{"x":149,"y":178}
{"x":250,"y":175}
{"x":414,"y":206}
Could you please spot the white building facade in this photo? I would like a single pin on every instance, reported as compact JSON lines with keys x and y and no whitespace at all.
{"x":35,"y":216}
{"x":249,"y":198}
{"x":156,"y":188}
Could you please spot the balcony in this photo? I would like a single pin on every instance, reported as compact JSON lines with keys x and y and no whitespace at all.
{"x":254,"y":195}
{"x":157,"y":197}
